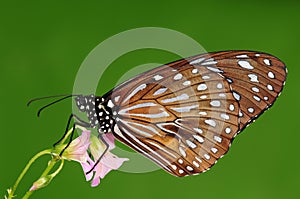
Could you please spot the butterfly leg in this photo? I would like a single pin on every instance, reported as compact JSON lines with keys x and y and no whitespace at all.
{"x":99,"y":159}
{"x":78,"y":121}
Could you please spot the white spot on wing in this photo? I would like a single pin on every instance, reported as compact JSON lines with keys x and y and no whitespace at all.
{"x":228,"y":130}
{"x":214,"y":69}
{"x":218,"y":139}
{"x":229,"y":80}
{"x":198,"y":138}
{"x":198,"y":159}
{"x":211,"y":122}
{"x":157,"y":77}
{"x":231,"y":107}
{"x":270,"y":87}
{"x":256,"y":98}
{"x":157,"y":115}
{"x":209,"y":63}
{"x":189,"y":168}
{"x":205,"y":77}
{"x":253,"y":78}
{"x":117,"y":98}
{"x":202,"y":87}
{"x":195,"y":70}
{"x":191,"y":144}
{"x":135,"y":91}
{"x":203,"y":96}
{"x":198,"y":130}
{"x":236,"y":96}
{"x":186,"y":83}
{"x":177,"y":98}
{"x":241,"y":113}
{"x":255,"y":89}
{"x":219,"y":85}
{"x":267,"y":62}
{"x":215,"y":103}
{"x":160,"y":91}
{"x":196,"y":164}
{"x":202,"y":113}
{"x":245,"y":64}
{"x":241,"y":56}
{"x":214,"y":150}
{"x":197,"y":61}
{"x":178,"y":76}
{"x":182,"y":151}
{"x":250,"y":110}
{"x":224,"y":116}
{"x":207,"y":156}
{"x":271,"y":75}
{"x":185,"y":108}
{"x":147,"y":104}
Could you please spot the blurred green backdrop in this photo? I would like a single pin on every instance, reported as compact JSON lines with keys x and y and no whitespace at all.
{"x":44,"y":43}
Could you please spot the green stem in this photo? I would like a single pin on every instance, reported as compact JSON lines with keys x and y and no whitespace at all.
{"x":59,"y":168}
{"x":66,"y":136}
{"x":11,"y":194}
{"x":50,"y":166}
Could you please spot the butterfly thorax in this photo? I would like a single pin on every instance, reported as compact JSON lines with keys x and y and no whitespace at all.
{"x":98,"y":112}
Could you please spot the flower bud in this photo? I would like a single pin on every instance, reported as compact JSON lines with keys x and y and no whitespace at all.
{"x":40,"y":183}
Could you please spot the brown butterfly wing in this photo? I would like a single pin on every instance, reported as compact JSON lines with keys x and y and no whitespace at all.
{"x":184,"y":115}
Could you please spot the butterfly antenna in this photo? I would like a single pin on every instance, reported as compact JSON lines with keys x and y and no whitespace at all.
{"x":46,"y":97}
{"x":56,"y":101}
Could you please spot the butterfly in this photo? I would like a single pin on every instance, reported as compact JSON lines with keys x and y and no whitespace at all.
{"x":184,"y":115}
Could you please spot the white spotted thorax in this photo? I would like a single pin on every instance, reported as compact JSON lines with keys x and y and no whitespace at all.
{"x":185,"y":114}
{"x":98,"y":111}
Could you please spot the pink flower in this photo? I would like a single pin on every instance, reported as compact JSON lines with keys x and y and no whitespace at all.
{"x":77,"y":150}
{"x":107,"y":163}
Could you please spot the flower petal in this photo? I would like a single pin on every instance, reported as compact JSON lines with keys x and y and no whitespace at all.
{"x":77,"y":150}
{"x":87,"y":166}
{"x":95,"y":182}
{"x":112,"y":161}
{"x":108,"y":162}
{"x":110,"y":140}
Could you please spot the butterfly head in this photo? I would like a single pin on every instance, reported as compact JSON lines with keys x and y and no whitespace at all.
{"x":85,"y":103}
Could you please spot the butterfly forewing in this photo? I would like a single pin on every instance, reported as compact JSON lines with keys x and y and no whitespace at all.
{"x":184,"y":115}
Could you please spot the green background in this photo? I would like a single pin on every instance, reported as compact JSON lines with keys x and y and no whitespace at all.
{"x":42,"y":45}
